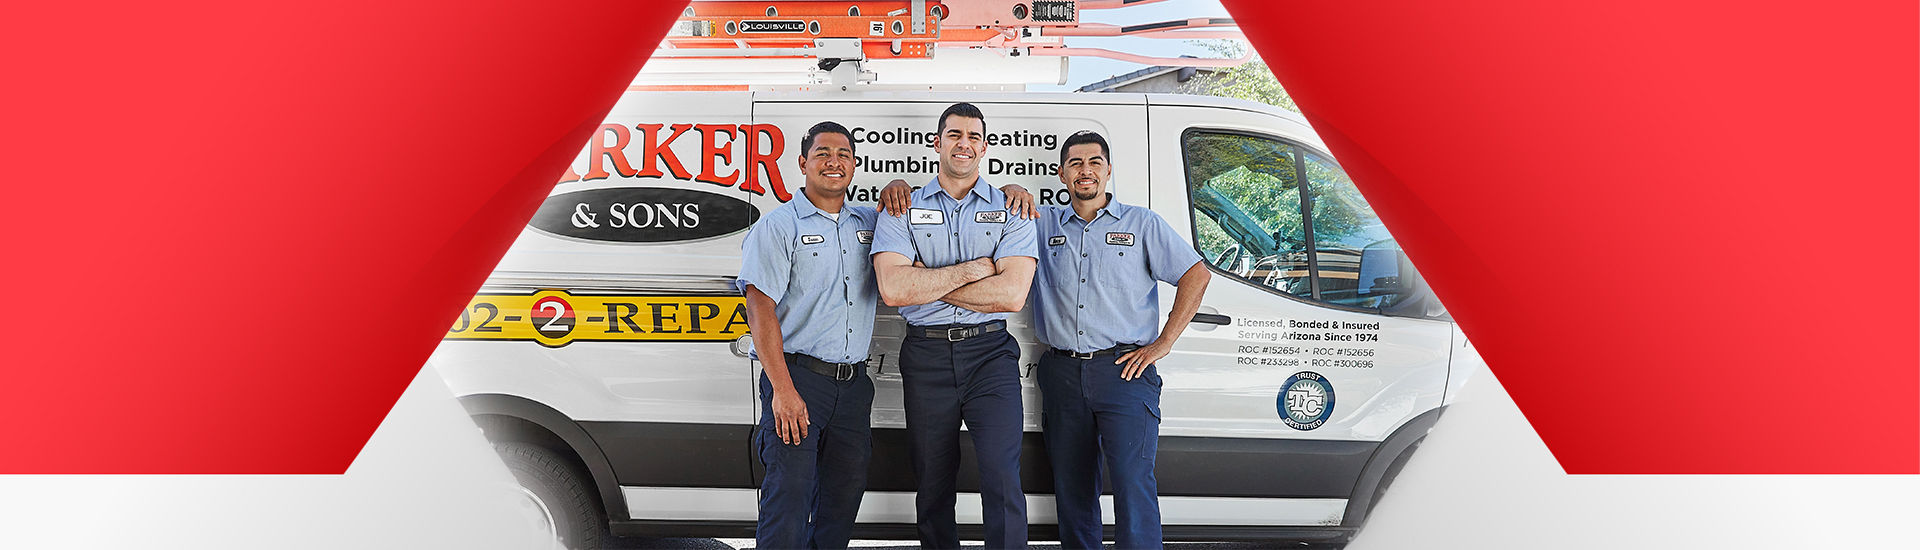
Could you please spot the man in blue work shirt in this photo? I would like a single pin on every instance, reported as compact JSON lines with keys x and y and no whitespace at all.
{"x":1096,"y":300}
{"x":958,"y":362}
{"x":810,"y":299}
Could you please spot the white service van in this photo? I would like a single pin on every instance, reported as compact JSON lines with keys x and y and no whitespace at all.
{"x":606,"y":355}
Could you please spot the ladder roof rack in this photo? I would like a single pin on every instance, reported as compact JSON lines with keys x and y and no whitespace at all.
{"x":917,"y":43}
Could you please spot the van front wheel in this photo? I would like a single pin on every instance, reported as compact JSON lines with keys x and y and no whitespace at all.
{"x":558,"y":492}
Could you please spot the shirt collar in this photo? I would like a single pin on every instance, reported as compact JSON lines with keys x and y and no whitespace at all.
{"x":980,"y":189}
{"x":806,"y":208}
{"x":1113,"y":209}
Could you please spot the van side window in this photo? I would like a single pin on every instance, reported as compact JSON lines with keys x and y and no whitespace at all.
{"x":1247,"y":219}
{"x":1359,"y":263}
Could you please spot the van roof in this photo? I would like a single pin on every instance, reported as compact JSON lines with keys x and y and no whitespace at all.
{"x":1104,"y":98}
{"x":1228,"y":102}
{"x":1301,"y":130}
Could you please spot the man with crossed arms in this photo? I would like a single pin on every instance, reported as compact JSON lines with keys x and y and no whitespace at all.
{"x":808,"y":283}
{"x":958,"y":363}
{"x":1096,"y":300}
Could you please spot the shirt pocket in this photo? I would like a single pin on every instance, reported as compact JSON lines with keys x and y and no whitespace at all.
{"x":1060,"y":263}
{"x":930,"y":242}
{"x":979,"y":239}
{"x":1124,"y":267}
{"x":815,"y":259}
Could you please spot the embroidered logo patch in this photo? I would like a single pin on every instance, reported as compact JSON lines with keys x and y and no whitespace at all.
{"x":812,"y":239}
{"x":866,"y":237}
{"x":1057,"y":240}
{"x":1122,"y":239}
{"x":924,"y":216}
{"x":993,"y":216}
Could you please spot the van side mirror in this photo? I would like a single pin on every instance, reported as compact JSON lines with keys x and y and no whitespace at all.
{"x":1435,"y":309}
{"x":1385,"y":272}
{"x":1381,"y":278}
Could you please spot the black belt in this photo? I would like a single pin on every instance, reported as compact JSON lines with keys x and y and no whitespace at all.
{"x":1116,"y":350}
{"x":955,"y":333}
{"x":839,"y":372}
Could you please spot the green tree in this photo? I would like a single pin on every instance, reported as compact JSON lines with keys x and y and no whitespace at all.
{"x":1251,"y":81}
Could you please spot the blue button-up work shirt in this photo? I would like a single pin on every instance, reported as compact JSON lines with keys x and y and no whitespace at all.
{"x":1095,"y":285}
{"x":939,"y":231}
{"x":819,"y":275}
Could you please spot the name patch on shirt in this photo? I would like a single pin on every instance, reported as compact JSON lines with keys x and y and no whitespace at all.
{"x":994,"y":216}
{"x":866,"y":237}
{"x":1122,"y":239}
{"x":924,"y":216}
{"x":1057,"y":240}
{"x":812,"y":239}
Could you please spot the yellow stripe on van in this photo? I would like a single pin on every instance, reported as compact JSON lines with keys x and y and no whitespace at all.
{"x":555,"y":318}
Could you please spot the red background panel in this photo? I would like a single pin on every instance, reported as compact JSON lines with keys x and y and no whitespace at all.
{"x":1683,"y":235}
{"x":235,"y":230}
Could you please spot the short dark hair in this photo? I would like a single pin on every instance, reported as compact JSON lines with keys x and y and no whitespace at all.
{"x":827,"y":127}
{"x":1081,"y":138}
{"x":961,"y":109}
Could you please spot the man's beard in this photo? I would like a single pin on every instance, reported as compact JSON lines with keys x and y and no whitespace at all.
{"x":1091,"y":195}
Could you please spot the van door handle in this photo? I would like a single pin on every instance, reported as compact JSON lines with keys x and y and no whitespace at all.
{"x":1212,"y":319}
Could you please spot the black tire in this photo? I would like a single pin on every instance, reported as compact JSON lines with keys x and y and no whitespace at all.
{"x":561,"y":490}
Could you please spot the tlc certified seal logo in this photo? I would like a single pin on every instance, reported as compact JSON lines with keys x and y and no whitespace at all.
{"x":1306,"y":400}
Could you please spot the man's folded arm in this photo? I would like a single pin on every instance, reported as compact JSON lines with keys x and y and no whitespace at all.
{"x":903,"y":284}
{"x":1003,"y":292}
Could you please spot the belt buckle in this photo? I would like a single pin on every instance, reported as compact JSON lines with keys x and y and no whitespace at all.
{"x":1078,"y":355}
{"x":962,"y":331}
{"x":842,"y":367}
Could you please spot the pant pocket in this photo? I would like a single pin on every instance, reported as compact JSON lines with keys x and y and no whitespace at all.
{"x":1150,"y":444}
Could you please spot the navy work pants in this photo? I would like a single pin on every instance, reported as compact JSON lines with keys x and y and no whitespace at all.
{"x":976,"y":380}
{"x":812,"y":491}
{"x":1094,"y":416}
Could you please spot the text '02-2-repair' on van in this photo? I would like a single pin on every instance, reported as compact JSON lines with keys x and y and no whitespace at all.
{"x":606,"y":356}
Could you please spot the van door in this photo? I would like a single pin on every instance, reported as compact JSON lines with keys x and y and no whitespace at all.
{"x":893,"y":139}
{"x":1290,"y":377}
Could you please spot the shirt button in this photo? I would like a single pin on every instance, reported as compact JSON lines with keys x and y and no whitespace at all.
{"x":1083,"y":280}
{"x":816,"y":253}
{"x":846,"y":278}
{"x":1083,"y":333}
{"x":1083,"y":254}
{"x":1083,"y":306}
{"x":849,"y":303}
{"x":1123,"y":253}
{"x":849,"y":330}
